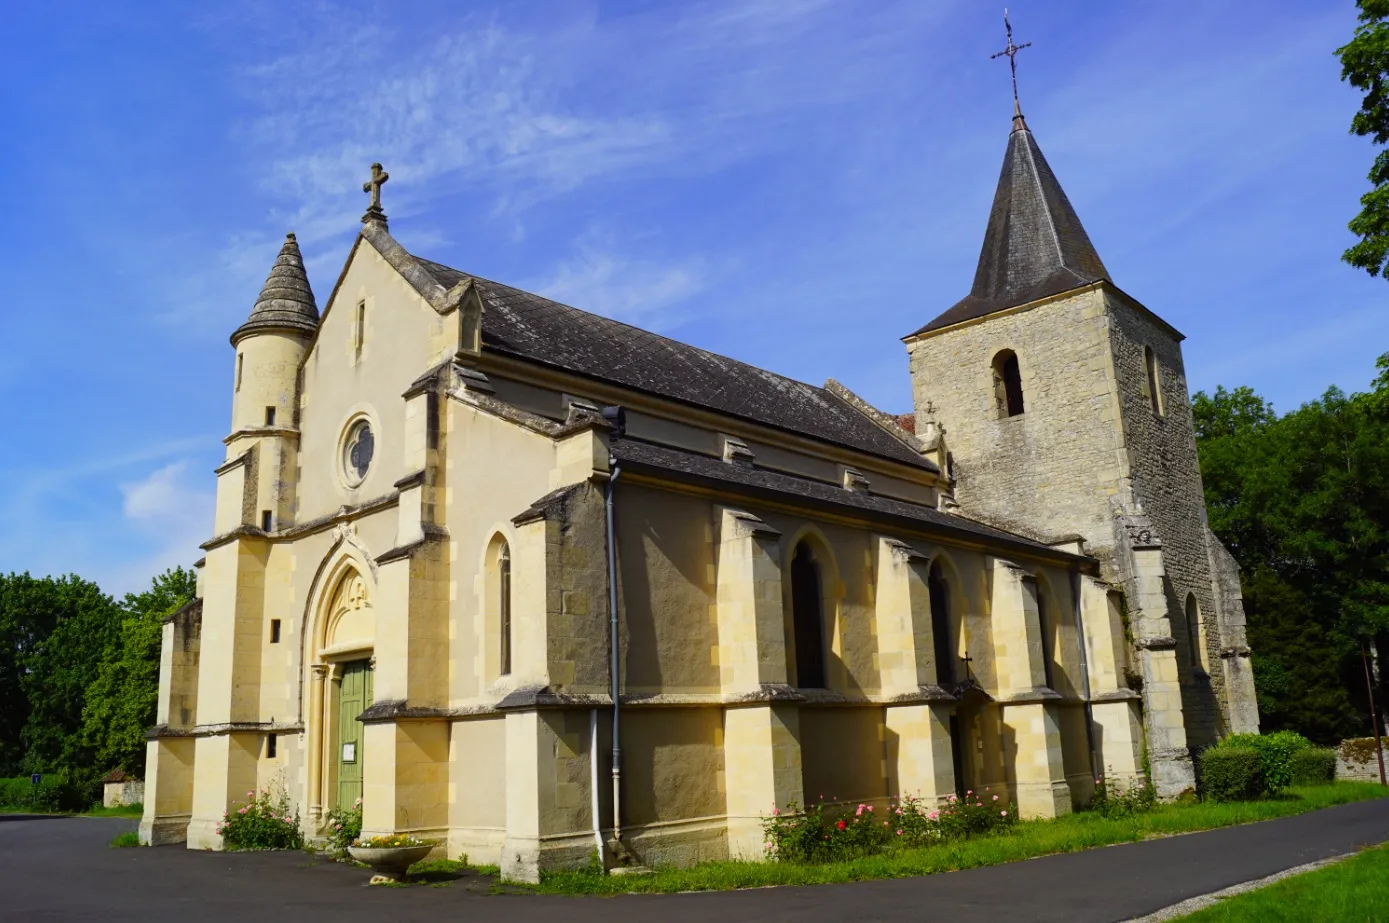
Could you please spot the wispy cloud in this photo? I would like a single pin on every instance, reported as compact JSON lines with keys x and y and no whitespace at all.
{"x":637,"y":291}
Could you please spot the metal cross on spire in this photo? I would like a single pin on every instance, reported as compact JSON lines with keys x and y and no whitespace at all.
{"x":1012,"y":52}
{"x":373,"y":186}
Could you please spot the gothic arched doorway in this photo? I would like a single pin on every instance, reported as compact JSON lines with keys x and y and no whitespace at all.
{"x":341,"y":669}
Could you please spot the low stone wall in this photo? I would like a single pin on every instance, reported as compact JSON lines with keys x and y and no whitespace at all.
{"x":1356,"y":760}
{"x":115,"y":794}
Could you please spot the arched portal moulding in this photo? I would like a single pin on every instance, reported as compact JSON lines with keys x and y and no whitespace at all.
{"x":339,"y":626}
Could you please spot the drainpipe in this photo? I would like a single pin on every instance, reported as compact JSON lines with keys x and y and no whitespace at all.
{"x":1084,"y":670}
{"x":616,"y":416}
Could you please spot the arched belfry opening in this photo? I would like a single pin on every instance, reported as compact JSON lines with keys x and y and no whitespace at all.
{"x":1150,"y":366}
{"x":1007,"y":384}
{"x":808,"y":618}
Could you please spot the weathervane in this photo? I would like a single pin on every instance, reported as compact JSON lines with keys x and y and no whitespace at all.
{"x":1012,"y":52}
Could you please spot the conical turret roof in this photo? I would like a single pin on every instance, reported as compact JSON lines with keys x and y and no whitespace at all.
{"x":286,"y":302}
{"x":1034,"y":246}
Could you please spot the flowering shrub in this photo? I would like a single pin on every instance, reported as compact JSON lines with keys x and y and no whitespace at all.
{"x":822,"y":835}
{"x":1114,"y":800}
{"x":344,"y":826}
{"x":391,"y":841}
{"x":268,"y":821}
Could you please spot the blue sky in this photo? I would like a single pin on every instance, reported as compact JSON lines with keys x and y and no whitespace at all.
{"x":795,"y":184}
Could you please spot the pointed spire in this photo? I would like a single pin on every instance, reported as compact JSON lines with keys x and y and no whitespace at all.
{"x":286,"y":302}
{"x":1034,"y":246}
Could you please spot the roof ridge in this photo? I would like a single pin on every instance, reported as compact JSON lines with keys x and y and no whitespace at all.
{"x":547,"y":332}
{"x":641,"y":330}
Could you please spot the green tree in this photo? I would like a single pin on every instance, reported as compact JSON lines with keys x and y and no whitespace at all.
{"x":121,"y":701}
{"x":1302,"y":501}
{"x":66,"y":625}
{"x":1365,"y":66}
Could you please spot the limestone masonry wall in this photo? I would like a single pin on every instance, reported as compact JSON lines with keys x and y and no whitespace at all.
{"x":1167,"y":483}
{"x":1051,"y":470}
{"x":1088,"y":444}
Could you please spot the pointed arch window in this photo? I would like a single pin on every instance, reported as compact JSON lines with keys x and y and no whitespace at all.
{"x":941,"y":627}
{"x":1046,"y":629}
{"x":807,"y":618}
{"x":1150,"y":366}
{"x":1194,"y":633}
{"x":1007,"y":384}
{"x":504,"y":607}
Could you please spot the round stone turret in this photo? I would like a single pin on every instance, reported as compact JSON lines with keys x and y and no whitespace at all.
{"x":286,"y":303}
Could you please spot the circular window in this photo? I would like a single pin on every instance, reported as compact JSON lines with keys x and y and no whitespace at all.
{"x":357,"y":450}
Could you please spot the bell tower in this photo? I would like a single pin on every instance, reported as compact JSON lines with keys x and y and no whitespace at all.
{"x":255,"y":502}
{"x":1066,"y":408}
{"x":269,"y":348}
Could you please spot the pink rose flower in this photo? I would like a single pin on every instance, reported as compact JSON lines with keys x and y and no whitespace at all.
{"x":899,"y":832}
{"x":242,"y":811}
{"x":1002,"y":813}
{"x":776,"y":812}
{"x":995,"y":797}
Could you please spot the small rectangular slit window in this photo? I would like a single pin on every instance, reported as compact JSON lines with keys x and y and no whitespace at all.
{"x":240,"y":361}
{"x":360,"y":334}
{"x":274,"y":631}
{"x":270,"y":416}
{"x":267,"y":519}
{"x":270,"y":747}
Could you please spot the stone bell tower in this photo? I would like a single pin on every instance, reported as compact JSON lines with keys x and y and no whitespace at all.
{"x":255,"y":500}
{"x":1065,"y":405}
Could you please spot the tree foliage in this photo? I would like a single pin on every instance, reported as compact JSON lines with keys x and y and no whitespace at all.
{"x":1365,"y":66}
{"x":79,"y":673}
{"x":63,"y":627}
{"x":1302,"y":501}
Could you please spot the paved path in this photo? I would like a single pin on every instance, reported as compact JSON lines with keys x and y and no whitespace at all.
{"x":61,"y":869}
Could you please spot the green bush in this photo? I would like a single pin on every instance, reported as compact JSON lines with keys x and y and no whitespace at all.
{"x":1232,"y":773}
{"x":268,"y":821}
{"x":1275,"y":750}
{"x":1314,"y":766}
{"x":57,"y":792}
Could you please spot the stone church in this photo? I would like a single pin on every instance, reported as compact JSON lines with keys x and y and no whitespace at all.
{"x":533,"y":583}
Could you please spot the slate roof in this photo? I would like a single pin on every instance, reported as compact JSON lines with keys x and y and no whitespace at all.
{"x":539,"y":330}
{"x":1034,"y":246}
{"x":286,"y":301}
{"x":693,"y":466}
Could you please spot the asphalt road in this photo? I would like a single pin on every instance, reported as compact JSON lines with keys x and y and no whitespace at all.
{"x":62,"y":869}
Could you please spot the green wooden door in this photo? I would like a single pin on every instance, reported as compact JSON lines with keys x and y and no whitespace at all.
{"x":354,"y":695}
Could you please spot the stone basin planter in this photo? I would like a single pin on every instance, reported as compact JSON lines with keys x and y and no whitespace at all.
{"x":389,"y":863}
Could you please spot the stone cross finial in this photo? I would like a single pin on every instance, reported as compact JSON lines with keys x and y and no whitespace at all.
{"x":373,"y":186}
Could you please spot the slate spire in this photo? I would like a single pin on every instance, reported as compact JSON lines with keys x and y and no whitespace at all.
{"x":1034,"y":246}
{"x":286,"y":302}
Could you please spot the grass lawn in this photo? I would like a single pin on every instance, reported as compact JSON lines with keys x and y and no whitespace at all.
{"x":1024,"y":841}
{"x":1357,"y":889}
